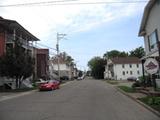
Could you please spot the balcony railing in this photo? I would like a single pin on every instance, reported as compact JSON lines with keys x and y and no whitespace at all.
{"x":25,"y":43}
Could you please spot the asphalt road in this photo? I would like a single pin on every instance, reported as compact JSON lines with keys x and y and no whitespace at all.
{"x":78,"y":100}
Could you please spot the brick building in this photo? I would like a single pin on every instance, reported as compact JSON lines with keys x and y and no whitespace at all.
{"x":42,"y":57}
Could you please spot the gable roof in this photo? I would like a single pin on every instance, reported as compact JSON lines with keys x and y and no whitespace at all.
{"x":125,"y":60}
{"x":145,"y":17}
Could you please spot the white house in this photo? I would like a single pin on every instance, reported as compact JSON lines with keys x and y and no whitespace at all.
{"x":120,"y":68}
{"x":150,"y":30}
{"x":65,"y":69}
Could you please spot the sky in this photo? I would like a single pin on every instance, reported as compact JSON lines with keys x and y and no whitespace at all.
{"x":91,"y":29}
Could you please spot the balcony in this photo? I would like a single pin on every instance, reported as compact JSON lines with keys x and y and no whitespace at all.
{"x":25,"y":43}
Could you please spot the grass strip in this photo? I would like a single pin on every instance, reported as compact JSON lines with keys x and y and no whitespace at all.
{"x":127,"y":89}
{"x":153,"y":102}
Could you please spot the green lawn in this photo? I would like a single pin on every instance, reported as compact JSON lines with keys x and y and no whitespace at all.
{"x":127,"y":89}
{"x":153,"y":102}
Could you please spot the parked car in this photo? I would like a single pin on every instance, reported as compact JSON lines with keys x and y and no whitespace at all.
{"x":49,"y":85}
{"x":81,"y":78}
{"x":132,"y":79}
{"x":39,"y":81}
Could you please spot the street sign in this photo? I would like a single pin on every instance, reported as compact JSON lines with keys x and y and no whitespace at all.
{"x":151,"y":66}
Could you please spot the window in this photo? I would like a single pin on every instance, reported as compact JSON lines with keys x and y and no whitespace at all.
{"x":123,"y":66}
{"x":123,"y":72}
{"x":127,"y":72}
{"x":152,"y":41}
{"x":138,"y":72}
{"x":131,"y":73}
{"x":137,"y":65}
{"x":130,"y":66}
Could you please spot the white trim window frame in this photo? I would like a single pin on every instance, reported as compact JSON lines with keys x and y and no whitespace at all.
{"x":152,"y":41}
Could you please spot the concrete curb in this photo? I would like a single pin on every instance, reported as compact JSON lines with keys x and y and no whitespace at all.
{"x":138,"y":101}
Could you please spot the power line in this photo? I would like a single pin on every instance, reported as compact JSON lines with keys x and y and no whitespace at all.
{"x":36,"y":3}
{"x":97,"y":3}
{"x":46,"y":46}
{"x":71,"y":2}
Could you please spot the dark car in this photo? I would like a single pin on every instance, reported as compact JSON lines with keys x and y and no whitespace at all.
{"x":132,"y":79}
{"x":49,"y":85}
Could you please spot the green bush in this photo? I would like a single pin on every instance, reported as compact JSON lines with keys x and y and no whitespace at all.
{"x":136,"y":84}
{"x":147,"y":82}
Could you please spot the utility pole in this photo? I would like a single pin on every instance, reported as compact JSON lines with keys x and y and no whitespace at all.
{"x":59,"y":37}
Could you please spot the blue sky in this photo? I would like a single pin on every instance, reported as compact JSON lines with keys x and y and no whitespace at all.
{"x":91,"y":29}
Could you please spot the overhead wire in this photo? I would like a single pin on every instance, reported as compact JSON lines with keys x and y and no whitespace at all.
{"x":36,"y":3}
{"x":71,"y":2}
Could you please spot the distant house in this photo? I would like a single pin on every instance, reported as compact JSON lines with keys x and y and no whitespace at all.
{"x":66,"y":69}
{"x":11,"y":30}
{"x":120,"y":68}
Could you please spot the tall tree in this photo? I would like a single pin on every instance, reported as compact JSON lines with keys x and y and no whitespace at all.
{"x":138,"y":52}
{"x":115,"y":53}
{"x":16,"y":63}
{"x":97,"y":66}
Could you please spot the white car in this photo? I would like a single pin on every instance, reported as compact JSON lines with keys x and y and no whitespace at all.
{"x":39,"y":81}
{"x":80,"y":78}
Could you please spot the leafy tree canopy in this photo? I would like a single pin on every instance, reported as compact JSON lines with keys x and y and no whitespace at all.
{"x":96,"y":65}
{"x":138,"y":52}
{"x":16,"y":63}
{"x":115,"y":53}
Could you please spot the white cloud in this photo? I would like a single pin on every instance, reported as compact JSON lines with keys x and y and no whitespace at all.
{"x":44,"y":21}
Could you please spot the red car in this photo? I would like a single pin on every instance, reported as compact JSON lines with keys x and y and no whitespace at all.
{"x":49,"y":85}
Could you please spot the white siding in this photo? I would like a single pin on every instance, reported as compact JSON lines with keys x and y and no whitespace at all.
{"x":61,"y":67}
{"x":118,"y":71}
{"x":153,"y":23}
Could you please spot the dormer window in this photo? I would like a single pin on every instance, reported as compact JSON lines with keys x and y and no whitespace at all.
{"x":152,"y":41}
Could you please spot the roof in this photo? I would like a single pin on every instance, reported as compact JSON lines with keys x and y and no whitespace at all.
{"x":12,"y":24}
{"x":145,"y":16}
{"x":42,"y":51}
{"x":125,"y":60}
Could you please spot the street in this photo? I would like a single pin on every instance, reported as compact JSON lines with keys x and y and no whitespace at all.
{"x":77,"y":100}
